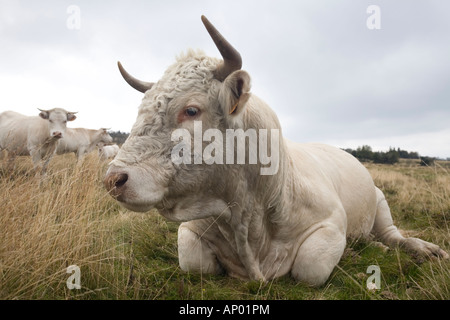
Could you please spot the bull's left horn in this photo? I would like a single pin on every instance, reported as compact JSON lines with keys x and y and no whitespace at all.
{"x":137,"y":84}
{"x":232,"y":60}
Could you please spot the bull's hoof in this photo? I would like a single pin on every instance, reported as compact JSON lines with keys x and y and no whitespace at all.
{"x":424,"y":249}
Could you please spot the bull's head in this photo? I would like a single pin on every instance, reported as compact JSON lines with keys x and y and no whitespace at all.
{"x":195,"y":88}
{"x":238,"y":85}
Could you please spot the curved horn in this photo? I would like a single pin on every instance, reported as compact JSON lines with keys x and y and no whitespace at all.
{"x":137,"y":84}
{"x":232,"y":60}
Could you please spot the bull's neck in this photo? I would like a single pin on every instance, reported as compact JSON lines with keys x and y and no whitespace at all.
{"x":268,"y":181}
{"x":253,"y":187}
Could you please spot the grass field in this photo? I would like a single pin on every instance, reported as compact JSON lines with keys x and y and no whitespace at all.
{"x":68,"y":219}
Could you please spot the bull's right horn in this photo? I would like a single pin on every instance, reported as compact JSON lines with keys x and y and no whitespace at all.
{"x":137,"y":84}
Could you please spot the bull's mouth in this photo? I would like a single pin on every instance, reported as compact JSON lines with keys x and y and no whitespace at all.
{"x":134,"y":203}
{"x":164,"y":206}
{"x":136,"y":207}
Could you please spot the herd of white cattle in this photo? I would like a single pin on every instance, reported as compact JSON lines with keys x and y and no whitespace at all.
{"x":46,"y":134}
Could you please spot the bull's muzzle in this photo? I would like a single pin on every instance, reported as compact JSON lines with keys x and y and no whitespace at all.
{"x":115,"y":184}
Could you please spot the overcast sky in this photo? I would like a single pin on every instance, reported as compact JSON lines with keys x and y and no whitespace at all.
{"x":327,"y":75}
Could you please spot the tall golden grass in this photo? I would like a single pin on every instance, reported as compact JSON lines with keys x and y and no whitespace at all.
{"x":51,"y":223}
{"x":68,"y":218}
{"x":419,"y":197}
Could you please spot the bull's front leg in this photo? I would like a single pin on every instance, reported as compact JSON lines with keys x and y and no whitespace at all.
{"x":195,"y":254}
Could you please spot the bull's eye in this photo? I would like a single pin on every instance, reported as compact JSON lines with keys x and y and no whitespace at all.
{"x":191,"y":111}
{"x":188,"y":113}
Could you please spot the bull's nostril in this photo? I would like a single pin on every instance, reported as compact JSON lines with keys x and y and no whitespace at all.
{"x":114,"y":183}
{"x":121,"y":179}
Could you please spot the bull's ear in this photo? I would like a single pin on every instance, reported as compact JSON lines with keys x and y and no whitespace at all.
{"x":235,"y":93}
{"x":71,"y":116}
{"x":44,"y":114}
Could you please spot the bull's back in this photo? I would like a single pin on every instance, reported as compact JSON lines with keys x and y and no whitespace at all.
{"x":339,"y":174}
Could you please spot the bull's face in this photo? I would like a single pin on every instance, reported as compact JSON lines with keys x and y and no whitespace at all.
{"x":57,"y":121}
{"x":196,"y":89}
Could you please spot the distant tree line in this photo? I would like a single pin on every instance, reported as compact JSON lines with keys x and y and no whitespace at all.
{"x":363,"y":153}
{"x":392,"y":156}
{"x":119,"y":137}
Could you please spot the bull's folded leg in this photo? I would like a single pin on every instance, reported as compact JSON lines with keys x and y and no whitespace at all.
{"x":194,"y":254}
{"x":318,"y":255}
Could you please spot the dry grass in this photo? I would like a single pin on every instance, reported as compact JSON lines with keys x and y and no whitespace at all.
{"x":419,"y":197}
{"x":50,"y":224}
{"x":68,"y":219}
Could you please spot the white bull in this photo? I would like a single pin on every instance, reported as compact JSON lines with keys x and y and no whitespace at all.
{"x":31,"y":135}
{"x":236,"y":220}
{"x":82,"y":141}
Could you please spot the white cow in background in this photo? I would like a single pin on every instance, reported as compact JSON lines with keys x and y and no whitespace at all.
{"x":82,"y":141}
{"x":37,"y":136}
{"x":106,"y":152}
